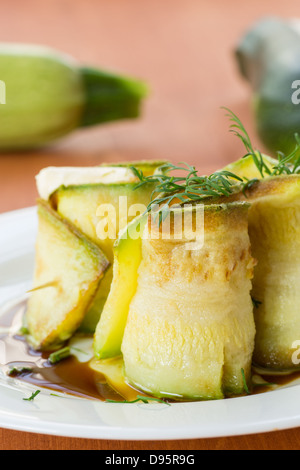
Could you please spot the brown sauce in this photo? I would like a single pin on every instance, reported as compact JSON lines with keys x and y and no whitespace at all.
{"x":72,"y":377}
{"x":69,"y":376}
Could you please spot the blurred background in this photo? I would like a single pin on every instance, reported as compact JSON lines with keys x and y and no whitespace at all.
{"x":184,"y":50}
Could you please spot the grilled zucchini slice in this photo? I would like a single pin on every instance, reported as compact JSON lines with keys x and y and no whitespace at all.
{"x":68,"y":271}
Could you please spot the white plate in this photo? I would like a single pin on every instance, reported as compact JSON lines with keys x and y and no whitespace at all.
{"x":84,"y":418}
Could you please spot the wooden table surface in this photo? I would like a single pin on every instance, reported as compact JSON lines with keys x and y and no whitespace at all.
{"x":184,"y":49}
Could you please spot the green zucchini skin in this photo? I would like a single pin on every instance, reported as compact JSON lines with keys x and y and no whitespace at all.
{"x":268,"y":57}
{"x":49,"y":95}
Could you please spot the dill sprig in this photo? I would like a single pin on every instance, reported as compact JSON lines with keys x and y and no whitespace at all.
{"x":239,"y":131}
{"x":256,"y":303}
{"x":33,"y":396}
{"x":17,"y":371}
{"x":287,"y":164}
{"x":188,"y":188}
{"x":246,"y":388}
{"x":284,"y":162}
{"x":59,"y":355}
{"x":192,"y":187}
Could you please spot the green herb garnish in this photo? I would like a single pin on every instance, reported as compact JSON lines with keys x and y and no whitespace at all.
{"x":35,"y":394}
{"x":60,"y":355}
{"x":239,"y":131}
{"x":24,"y":331}
{"x":285,"y":165}
{"x":141,"y":398}
{"x":246,"y":388}
{"x":192,"y":187}
{"x":256,"y":303}
{"x":188,"y":188}
{"x":16,"y":371}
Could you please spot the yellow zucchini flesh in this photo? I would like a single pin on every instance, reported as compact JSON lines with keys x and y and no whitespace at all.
{"x":127,"y":258}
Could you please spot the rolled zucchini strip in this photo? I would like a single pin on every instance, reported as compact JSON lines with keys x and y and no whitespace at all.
{"x":189,"y":327}
{"x":274,"y":228}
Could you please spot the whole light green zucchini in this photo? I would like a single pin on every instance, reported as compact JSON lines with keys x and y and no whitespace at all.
{"x":268,"y":57}
{"x":48,"y":95}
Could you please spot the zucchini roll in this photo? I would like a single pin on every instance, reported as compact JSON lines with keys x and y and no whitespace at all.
{"x":188,"y":320}
{"x":274,"y":228}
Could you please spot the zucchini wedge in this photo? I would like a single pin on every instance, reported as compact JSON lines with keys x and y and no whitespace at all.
{"x":188,"y":322}
{"x":68,"y":271}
